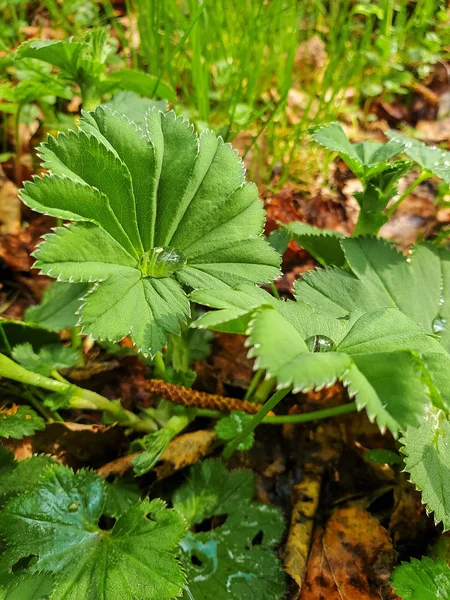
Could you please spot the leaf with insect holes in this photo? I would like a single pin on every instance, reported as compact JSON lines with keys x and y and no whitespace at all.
{"x":322,"y":244}
{"x":430,"y":158}
{"x":19,"y":421}
{"x":59,"y":306}
{"x":423,"y":579}
{"x":235,"y":560}
{"x":59,"y":524}
{"x":48,"y":359}
{"x":365,"y":159}
{"x":152,"y":211}
{"x":427,"y":459}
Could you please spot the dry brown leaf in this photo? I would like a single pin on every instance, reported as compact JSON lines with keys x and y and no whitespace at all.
{"x":71,"y":444}
{"x":183,"y":451}
{"x":305,"y":499}
{"x":9,"y":206}
{"x":351,"y":558}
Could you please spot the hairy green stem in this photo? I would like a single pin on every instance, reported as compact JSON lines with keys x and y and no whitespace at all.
{"x":80,"y":398}
{"x":424,"y":175}
{"x":160,"y":365}
{"x":264,"y":410}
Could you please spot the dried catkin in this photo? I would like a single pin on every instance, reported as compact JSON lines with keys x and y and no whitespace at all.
{"x":194,"y":399}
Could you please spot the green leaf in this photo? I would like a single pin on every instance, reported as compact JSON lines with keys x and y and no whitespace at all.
{"x":322,"y":244}
{"x":122,"y":494}
{"x":365,"y":159}
{"x":154,"y":445}
{"x":380,"y":277}
{"x":48,"y":359}
{"x":382,"y":457}
{"x":232,"y":425}
{"x":19,"y":421}
{"x":427,"y":459}
{"x":423,"y":579}
{"x":384,"y":378}
{"x":58,"y":523}
{"x":235,"y":307}
{"x":63,"y":55}
{"x":133,"y":106}
{"x":153,"y":211}
{"x":140,"y":83}
{"x":59,"y":306}
{"x":38,"y":586}
{"x":19,"y":477}
{"x":18,"y":332}
{"x":235,"y":560}
{"x":430,"y":158}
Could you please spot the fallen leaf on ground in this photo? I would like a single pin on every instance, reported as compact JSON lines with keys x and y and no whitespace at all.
{"x":9,"y":206}
{"x":183,"y":451}
{"x":351,"y":559}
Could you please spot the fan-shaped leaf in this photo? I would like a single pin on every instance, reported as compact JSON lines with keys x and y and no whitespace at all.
{"x":19,"y":421}
{"x":152,"y":209}
{"x":58,"y":523}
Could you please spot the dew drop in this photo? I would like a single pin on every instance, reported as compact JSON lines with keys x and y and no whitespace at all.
{"x":320,"y":343}
{"x":161,"y":262}
{"x":439,"y":325}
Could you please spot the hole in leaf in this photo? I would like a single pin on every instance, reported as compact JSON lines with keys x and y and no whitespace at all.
{"x":22,"y":564}
{"x":106,"y":523}
{"x":211,"y":523}
{"x":196,"y":561}
{"x":257,"y":540}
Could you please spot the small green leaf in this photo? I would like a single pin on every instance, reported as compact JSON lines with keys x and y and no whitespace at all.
{"x":232,"y":425}
{"x":19,"y":421}
{"x":427,"y":460}
{"x":19,"y":477}
{"x":382,"y":457}
{"x":48,"y":359}
{"x":18,"y":332}
{"x":133,"y":106}
{"x":154,"y":445}
{"x":59,"y":306}
{"x":423,"y":579}
{"x":59,"y":524}
{"x":122,"y":494}
{"x":430,"y":158}
{"x":235,"y":560}
{"x":63,"y":55}
{"x":365,"y":159}
{"x":140,"y":83}
{"x":322,"y":244}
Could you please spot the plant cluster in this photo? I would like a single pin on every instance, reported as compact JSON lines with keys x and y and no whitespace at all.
{"x":153,"y":220}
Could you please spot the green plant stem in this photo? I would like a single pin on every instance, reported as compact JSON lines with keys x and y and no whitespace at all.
{"x":274,"y":290}
{"x":264,"y":389}
{"x":253,"y":384}
{"x":264,"y":410}
{"x":316,"y":415}
{"x":424,"y":175}
{"x":80,"y":398}
{"x":4,"y":339}
{"x":160,"y":365}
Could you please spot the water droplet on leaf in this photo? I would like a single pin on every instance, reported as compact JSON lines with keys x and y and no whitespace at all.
{"x":439,"y":325}
{"x":320,"y":343}
{"x":161,"y":262}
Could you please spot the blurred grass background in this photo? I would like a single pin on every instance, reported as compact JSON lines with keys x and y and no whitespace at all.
{"x":260,"y":72}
